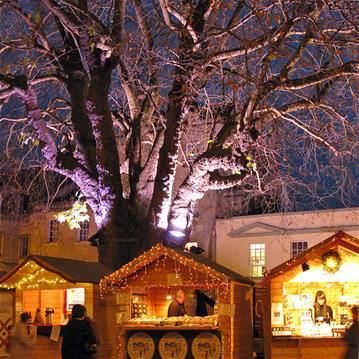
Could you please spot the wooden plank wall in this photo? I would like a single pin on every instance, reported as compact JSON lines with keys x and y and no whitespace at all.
{"x":104,"y":317}
{"x":313,"y":348}
{"x":224,"y":324}
{"x":158,"y":304}
{"x":267,"y":325}
{"x":242,"y":323}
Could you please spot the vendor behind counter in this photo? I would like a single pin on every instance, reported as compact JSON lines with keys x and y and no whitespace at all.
{"x":322,"y":311}
{"x":199,"y":304}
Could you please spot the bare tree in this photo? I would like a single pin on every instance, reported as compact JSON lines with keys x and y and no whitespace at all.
{"x":114,"y":91}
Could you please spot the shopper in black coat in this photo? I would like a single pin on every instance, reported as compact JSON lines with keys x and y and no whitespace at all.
{"x":351,"y":337}
{"x":79,"y":341}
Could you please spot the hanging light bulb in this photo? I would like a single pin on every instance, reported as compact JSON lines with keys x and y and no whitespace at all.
{"x":169,"y":295}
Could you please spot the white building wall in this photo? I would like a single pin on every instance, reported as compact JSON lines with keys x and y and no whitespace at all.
{"x":277,"y":231}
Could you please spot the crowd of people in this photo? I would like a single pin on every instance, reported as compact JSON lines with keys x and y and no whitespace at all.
{"x":79,"y":341}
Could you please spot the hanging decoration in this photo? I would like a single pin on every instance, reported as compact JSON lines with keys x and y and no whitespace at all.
{"x":331,"y":261}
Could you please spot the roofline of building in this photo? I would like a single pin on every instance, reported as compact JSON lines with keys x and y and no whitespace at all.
{"x":282,"y":214}
{"x":340,"y":238}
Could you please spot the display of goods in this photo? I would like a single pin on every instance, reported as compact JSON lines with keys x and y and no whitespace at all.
{"x":211,"y":320}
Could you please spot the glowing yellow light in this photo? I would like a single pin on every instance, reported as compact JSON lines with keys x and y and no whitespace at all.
{"x":331,"y":262}
{"x":348,"y":272}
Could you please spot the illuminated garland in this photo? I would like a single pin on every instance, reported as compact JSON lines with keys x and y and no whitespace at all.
{"x":35,"y":279}
{"x":156,"y":255}
{"x":331,"y":261}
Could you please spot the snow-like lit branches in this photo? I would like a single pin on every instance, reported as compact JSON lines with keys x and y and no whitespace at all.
{"x":147,"y":106}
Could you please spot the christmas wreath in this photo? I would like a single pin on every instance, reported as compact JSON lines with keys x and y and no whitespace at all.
{"x":331,"y":261}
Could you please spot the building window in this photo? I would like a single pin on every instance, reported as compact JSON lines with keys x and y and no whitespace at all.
{"x":53,"y":231}
{"x":298,"y":247}
{"x":84,"y":231}
{"x":2,"y":238}
{"x":257,"y":259}
{"x":24,"y":246}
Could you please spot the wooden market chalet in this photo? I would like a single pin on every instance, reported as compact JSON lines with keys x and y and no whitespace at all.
{"x":143,"y":289}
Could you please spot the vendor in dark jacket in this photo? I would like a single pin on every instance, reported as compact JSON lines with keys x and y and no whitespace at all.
{"x":177,"y":307}
{"x":79,"y":341}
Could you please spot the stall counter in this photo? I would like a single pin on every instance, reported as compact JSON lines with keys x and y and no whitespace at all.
{"x":308,"y":347}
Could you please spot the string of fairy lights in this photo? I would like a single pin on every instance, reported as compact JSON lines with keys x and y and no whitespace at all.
{"x":38,"y":277}
{"x":158,"y":257}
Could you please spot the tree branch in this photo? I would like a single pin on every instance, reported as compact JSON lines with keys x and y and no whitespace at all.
{"x":144,"y":187}
{"x":302,"y":126}
{"x":347,"y":69}
{"x":34,"y":27}
{"x":166,"y":16}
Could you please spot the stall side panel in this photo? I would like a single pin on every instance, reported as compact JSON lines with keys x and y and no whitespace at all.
{"x":313,"y":348}
{"x":242,"y":326}
{"x":105,"y":324}
{"x":89,"y":298}
{"x":267,"y":324}
{"x":259,"y":304}
{"x":224,"y":324}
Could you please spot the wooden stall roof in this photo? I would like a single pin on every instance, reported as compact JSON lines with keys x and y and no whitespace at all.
{"x":339,"y":239}
{"x":70,"y":270}
{"x":197,"y":262}
{"x":2,"y":273}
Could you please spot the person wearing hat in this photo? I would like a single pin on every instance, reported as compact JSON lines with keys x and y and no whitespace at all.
{"x":79,"y":340}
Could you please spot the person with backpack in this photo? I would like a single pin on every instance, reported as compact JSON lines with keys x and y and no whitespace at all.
{"x":79,"y":340}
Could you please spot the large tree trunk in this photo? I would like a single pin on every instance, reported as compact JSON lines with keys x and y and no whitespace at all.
{"x":124,"y":237}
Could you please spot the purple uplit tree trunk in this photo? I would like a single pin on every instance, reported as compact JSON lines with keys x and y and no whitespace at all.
{"x":122,"y":95}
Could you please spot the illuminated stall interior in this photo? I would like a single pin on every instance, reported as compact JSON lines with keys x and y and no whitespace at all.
{"x":332,"y":266}
{"x":53,"y":285}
